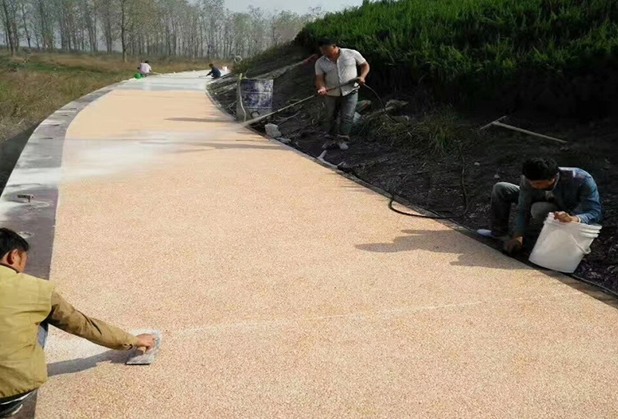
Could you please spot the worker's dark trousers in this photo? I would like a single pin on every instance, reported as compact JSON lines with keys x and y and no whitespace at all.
{"x":9,"y":405}
{"x":344,"y":107}
{"x":506,"y":194}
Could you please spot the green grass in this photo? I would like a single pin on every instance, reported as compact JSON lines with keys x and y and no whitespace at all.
{"x":436,"y":132}
{"x":555,"y":55}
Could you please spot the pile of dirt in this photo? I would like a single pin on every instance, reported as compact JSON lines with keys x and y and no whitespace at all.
{"x":428,"y":177}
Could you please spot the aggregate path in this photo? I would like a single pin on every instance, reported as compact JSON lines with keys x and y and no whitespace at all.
{"x":284,"y":290}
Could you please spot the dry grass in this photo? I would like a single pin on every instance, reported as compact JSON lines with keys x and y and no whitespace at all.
{"x":35,"y":85}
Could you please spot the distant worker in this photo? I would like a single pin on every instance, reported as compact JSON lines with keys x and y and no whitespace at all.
{"x":570,"y":193}
{"x":26,"y":302}
{"x":214,"y":71}
{"x":336,"y":79}
{"x":144,"y":68}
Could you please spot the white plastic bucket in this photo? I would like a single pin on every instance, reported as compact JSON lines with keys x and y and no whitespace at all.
{"x":562,"y":246}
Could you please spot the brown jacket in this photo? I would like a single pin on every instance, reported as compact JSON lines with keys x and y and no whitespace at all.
{"x":25,"y":302}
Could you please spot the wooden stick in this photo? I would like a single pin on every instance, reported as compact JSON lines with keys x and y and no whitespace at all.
{"x":498,"y":123}
{"x":525,"y":131}
{"x":491,"y":123}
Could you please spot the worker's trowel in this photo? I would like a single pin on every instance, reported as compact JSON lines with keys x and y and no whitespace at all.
{"x":140,"y":356}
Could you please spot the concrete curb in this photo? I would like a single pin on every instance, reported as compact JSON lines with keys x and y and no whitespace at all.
{"x":30,"y":198}
{"x":36,"y":175}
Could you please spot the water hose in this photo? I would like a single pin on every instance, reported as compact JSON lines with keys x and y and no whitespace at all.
{"x":462,"y":179}
{"x":464,"y":191}
{"x":464,"y":194}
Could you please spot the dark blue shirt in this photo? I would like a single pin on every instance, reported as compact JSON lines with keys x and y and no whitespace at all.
{"x":216,"y":73}
{"x":575,"y":192}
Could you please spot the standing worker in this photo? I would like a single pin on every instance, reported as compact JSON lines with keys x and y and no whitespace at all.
{"x":571,"y":194}
{"x":214,"y":71}
{"x":144,"y":68}
{"x":26,"y":302}
{"x":339,"y":67}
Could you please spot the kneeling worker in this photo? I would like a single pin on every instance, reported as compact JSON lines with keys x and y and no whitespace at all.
{"x":570,"y":193}
{"x":26,"y":302}
{"x":214,"y":71}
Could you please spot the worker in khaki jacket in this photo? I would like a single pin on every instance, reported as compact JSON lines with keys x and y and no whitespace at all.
{"x":26,"y":302}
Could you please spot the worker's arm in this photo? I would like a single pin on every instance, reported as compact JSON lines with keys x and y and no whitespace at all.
{"x":589,"y":210}
{"x":320,"y":83}
{"x":64,"y":316}
{"x":320,"y":78}
{"x":524,"y":206}
{"x":364,"y":72}
{"x":363,"y":64}
{"x":522,"y":218}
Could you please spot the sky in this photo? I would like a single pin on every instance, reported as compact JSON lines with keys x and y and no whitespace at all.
{"x":298,"y":6}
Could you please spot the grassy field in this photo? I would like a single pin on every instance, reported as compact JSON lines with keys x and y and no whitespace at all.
{"x":559,"y":56}
{"x":32,"y":86}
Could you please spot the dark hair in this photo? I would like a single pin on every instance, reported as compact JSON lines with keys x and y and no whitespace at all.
{"x":9,"y":241}
{"x":147,"y":62}
{"x":211,"y":65}
{"x":325,"y":42}
{"x":540,"y":169}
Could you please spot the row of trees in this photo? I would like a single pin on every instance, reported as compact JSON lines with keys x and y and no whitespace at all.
{"x":200,"y":28}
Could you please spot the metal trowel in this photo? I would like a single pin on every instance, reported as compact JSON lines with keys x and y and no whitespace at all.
{"x":140,"y":356}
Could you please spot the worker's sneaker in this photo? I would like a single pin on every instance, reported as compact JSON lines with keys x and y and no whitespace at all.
{"x":342,"y":142}
{"x":330,"y":143}
{"x":490,"y":234}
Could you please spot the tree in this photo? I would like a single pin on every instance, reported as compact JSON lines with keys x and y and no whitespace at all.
{"x":108,"y":19}
{"x":43,"y":23}
{"x":9,"y":21}
{"x":89,"y":12}
{"x":26,"y":21}
{"x":191,"y":28}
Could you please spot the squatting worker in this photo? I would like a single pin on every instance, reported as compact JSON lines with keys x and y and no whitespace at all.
{"x":570,"y":193}
{"x":26,"y":302}
{"x":214,"y":71}
{"x":144,"y":68}
{"x":339,"y":67}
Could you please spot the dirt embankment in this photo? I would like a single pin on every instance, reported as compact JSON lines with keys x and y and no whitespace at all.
{"x":419,"y":158}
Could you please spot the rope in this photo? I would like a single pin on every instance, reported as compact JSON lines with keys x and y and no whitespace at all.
{"x":242,"y":107}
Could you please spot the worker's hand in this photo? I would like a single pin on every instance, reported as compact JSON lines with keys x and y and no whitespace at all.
{"x":514,"y":245}
{"x":564,"y":217}
{"x":146,"y":341}
{"x":360,"y":80}
{"x":322,"y":91}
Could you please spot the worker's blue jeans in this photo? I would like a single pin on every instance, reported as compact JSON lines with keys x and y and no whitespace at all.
{"x":343,"y":107}
{"x":504,"y":196}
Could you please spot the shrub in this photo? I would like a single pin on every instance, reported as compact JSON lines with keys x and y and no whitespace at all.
{"x":555,"y":55}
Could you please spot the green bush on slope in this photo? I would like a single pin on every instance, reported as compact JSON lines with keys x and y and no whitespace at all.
{"x":556,"y":55}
